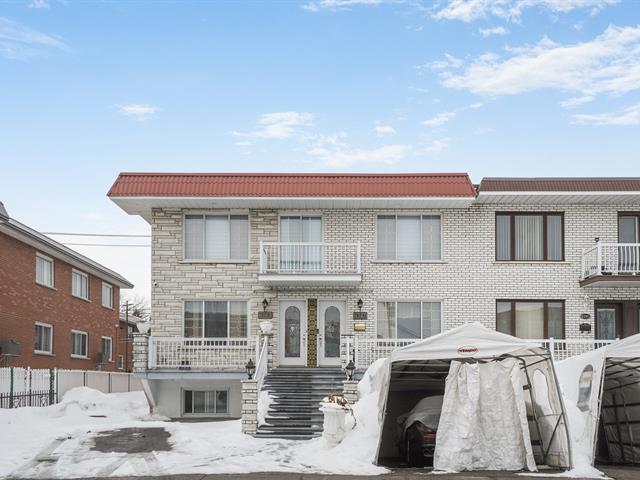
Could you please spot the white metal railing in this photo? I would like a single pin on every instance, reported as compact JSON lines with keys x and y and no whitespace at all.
{"x":311,"y":257}
{"x":606,"y":258}
{"x":201,"y":353}
{"x":563,"y":349}
{"x":368,"y":350}
{"x":262,"y":362}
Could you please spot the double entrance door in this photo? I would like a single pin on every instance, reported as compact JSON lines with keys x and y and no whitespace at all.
{"x":301,"y":342}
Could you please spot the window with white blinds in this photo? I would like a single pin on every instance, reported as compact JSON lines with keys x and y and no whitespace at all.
{"x":44,"y":270}
{"x":80,"y":284}
{"x":409,"y":237}
{"x":216,"y":237}
{"x":529,"y":236}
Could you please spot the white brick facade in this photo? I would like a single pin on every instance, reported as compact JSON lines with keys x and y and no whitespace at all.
{"x":468,"y":281}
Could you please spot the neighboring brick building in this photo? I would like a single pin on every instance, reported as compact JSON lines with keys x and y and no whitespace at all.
{"x":58,"y":308}
{"x":423,"y":252}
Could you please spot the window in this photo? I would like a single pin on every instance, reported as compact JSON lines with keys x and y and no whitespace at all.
{"x":206,"y":402}
{"x":216,"y":237}
{"x":299,"y":228}
{"x":79,"y":341}
{"x":529,"y":236}
{"x":409,"y":237}
{"x":44,"y":270}
{"x":215,"y":319}
{"x":43,"y":338}
{"x":80,"y":284}
{"x":532,"y":319}
{"x":629,"y":228}
{"x":107,"y":295}
{"x":409,"y":319}
{"x":120,"y":362}
{"x":107,"y":353}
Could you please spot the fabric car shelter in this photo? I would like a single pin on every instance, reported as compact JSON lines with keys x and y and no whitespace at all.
{"x":601,"y":392}
{"x":502,"y":407}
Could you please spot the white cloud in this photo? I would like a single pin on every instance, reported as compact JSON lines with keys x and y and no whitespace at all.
{"x":449,"y":62}
{"x":629,"y":116}
{"x":337,"y":4}
{"x":437,"y":145}
{"x":487,"y":32}
{"x":19,"y":42}
{"x":470,"y":10}
{"x":382,"y":130}
{"x":439,"y":119}
{"x":343,"y":157}
{"x":610,"y":63}
{"x":279,"y":125}
{"x":576,"y":101}
{"x":139,"y":111}
{"x":482,"y":130}
{"x":39,"y":4}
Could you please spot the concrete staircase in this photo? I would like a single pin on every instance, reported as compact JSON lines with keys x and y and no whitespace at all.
{"x":296,"y":394}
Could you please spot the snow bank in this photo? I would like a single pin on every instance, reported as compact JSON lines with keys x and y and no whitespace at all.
{"x":27,"y":431}
{"x":63,"y":435}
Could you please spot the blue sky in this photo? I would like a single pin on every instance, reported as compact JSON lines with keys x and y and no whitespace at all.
{"x":494,"y":88}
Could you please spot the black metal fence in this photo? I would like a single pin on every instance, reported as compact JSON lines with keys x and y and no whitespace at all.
{"x":24,"y":387}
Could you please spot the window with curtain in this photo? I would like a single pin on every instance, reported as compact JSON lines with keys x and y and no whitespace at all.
{"x":300,"y":229}
{"x":409,"y":237}
{"x":532,"y":319}
{"x":80,"y":284}
{"x":407,"y":320}
{"x":216,"y":237}
{"x":529,"y":236}
{"x":107,"y":348}
{"x":43,"y":338}
{"x":107,"y":295}
{"x":215,"y":319}
{"x":44,"y":270}
{"x":79,"y":342}
{"x":206,"y":402}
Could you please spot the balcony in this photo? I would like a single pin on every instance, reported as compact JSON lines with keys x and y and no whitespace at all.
{"x":201,"y":354}
{"x":286,"y":264}
{"x":368,"y":350}
{"x":611,"y":265}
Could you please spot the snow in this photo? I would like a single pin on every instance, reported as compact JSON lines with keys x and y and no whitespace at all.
{"x":264,"y":400}
{"x":57,"y":441}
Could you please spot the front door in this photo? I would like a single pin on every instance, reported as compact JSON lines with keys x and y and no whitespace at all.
{"x":608,"y":321}
{"x":330,"y":326}
{"x":293,"y":333}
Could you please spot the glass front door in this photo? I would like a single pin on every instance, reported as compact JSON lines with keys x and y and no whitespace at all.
{"x":330,"y":326}
{"x":293,"y":333}
{"x":606,"y":322}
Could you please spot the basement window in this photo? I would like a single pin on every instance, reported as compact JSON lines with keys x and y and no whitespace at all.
{"x":198,"y":402}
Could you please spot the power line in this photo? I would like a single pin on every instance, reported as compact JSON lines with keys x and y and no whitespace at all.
{"x":96,"y":234}
{"x":105,"y":245}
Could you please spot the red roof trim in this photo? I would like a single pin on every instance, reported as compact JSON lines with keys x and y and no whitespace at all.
{"x":292,"y":185}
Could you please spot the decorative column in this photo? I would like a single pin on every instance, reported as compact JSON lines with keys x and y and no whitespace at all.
{"x":249,"y":407}
{"x":140,"y":352}
{"x":350,"y":391}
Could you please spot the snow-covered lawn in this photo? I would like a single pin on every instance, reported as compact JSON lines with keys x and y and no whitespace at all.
{"x":57,"y":441}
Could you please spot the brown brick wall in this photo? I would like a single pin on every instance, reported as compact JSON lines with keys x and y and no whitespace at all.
{"x":23,"y":302}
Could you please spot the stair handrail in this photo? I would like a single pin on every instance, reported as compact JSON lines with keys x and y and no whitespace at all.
{"x":262,"y":364}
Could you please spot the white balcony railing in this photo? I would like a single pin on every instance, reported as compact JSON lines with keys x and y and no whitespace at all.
{"x":201,"y":353}
{"x":368,"y":350}
{"x":611,"y":259}
{"x":309,"y":258}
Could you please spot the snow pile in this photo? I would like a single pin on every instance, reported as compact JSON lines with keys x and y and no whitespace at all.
{"x":57,"y":441}
{"x":27,"y":431}
{"x":264,"y":401}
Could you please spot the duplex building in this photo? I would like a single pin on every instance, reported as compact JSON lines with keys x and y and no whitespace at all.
{"x":340,"y":267}
{"x":58,"y":308}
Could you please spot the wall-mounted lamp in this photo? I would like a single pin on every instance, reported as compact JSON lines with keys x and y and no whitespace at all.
{"x":251,"y":368}
{"x":597,"y":239}
{"x":360,"y":304}
{"x":265,"y":304}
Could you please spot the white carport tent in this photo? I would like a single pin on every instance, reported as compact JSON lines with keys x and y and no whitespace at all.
{"x":602,"y":388}
{"x":432,"y":358}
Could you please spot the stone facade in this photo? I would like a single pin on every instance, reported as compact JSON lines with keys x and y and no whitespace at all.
{"x":468,"y":280}
{"x":249,"y":406}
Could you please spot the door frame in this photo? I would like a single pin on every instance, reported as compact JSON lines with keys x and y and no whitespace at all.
{"x":302,"y":305}
{"x":323,"y":304}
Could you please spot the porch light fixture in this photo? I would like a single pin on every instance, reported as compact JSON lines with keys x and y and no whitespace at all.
{"x":251,"y":368}
{"x":350,"y":368}
{"x":359,"y":304}
{"x":265,"y":304}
